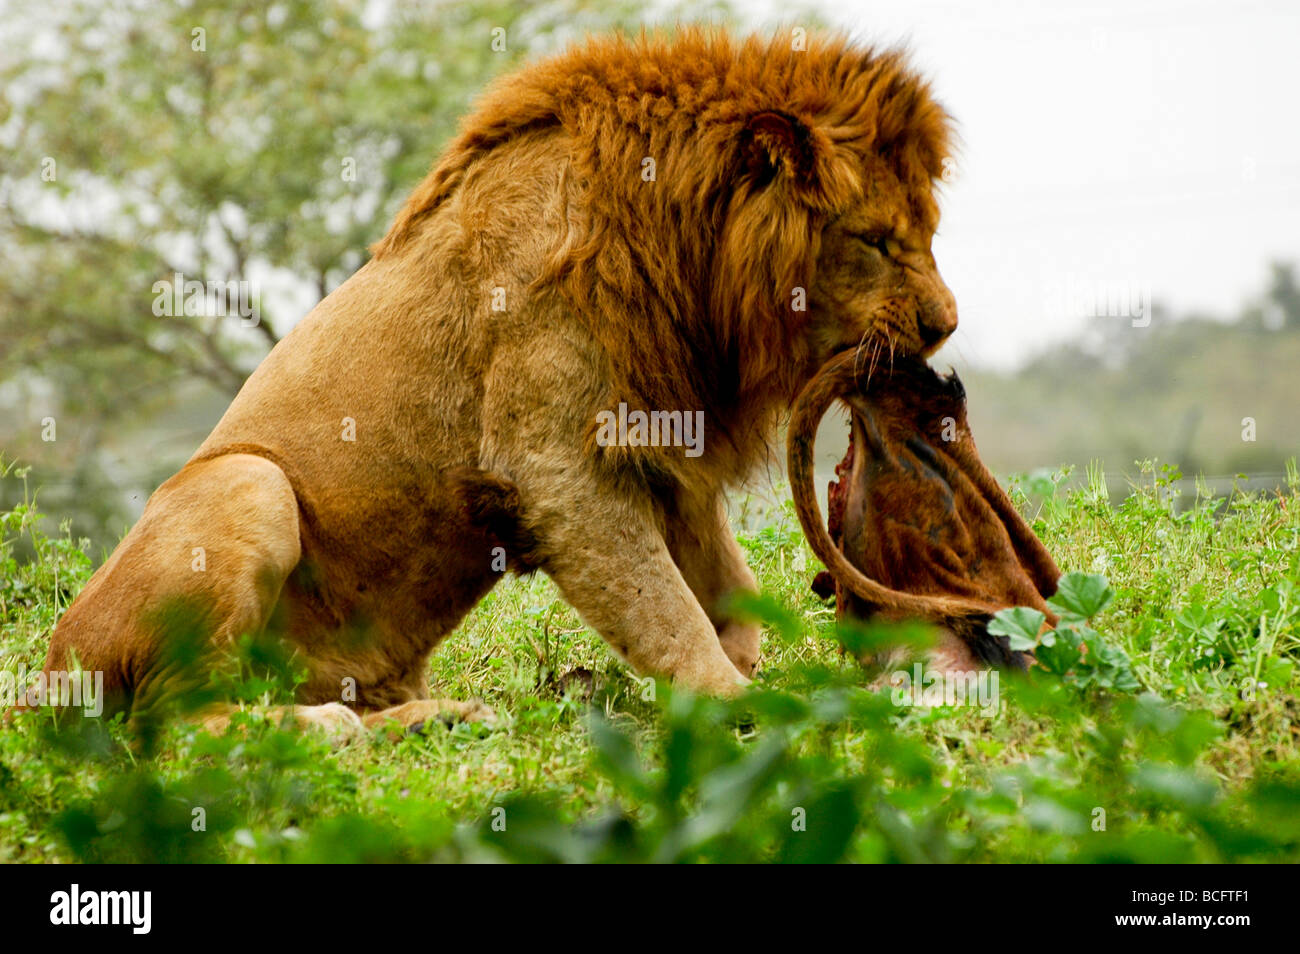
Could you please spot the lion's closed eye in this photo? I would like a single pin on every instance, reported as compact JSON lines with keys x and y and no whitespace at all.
{"x":878,"y":241}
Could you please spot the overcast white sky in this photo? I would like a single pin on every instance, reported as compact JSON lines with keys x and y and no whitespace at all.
{"x":1141,"y":144}
{"x":1128,"y":146}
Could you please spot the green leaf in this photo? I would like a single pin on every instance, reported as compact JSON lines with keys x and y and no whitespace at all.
{"x":726,"y":795}
{"x":830,"y":820}
{"x":615,"y":753}
{"x":1059,"y":657}
{"x":1180,"y":785}
{"x":1277,"y":673}
{"x":1020,"y":625}
{"x":1047,"y":814}
{"x":1081,"y":595}
{"x":766,"y":609}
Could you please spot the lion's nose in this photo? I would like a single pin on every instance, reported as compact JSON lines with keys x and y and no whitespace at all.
{"x":937,"y":321}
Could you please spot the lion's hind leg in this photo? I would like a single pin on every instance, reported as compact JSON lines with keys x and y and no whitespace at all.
{"x":204,"y":565}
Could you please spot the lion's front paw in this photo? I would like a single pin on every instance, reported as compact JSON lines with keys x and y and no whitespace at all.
{"x":418,"y":715}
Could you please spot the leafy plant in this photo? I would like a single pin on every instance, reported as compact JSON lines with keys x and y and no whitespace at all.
{"x":1072,"y":650}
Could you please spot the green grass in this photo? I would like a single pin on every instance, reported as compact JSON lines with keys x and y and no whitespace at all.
{"x":1199,"y":762}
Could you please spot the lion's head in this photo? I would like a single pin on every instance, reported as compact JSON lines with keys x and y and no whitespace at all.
{"x":738,"y":212}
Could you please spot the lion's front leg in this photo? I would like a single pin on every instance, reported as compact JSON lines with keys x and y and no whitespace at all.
{"x":700,"y":539}
{"x":599,"y":531}
{"x":612,"y":564}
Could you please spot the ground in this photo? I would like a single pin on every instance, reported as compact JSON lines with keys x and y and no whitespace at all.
{"x":1175,"y":737}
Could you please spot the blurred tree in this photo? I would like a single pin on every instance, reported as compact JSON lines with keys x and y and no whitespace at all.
{"x":1284,"y":293}
{"x":1212,"y":394}
{"x":264,"y":144}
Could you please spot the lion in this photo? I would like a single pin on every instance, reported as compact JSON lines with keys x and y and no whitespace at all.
{"x":687,"y":223}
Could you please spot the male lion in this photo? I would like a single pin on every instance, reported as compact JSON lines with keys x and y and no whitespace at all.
{"x":686,"y":225}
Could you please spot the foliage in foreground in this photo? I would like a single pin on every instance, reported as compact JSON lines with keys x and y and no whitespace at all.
{"x":1162,"y":727}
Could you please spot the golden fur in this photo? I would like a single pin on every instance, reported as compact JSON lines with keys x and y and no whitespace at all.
{"x":758,"y":149}
{"x":539,"y":276}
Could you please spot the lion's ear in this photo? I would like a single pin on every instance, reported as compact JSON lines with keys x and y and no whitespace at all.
{"x":778,"y":144}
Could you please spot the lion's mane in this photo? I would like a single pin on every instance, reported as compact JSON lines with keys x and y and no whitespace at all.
{"x":687,"y":281}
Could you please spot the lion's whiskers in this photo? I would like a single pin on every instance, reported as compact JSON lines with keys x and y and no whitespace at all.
{"x":857,"y":351}
{"x":875,"y":358}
